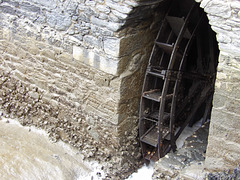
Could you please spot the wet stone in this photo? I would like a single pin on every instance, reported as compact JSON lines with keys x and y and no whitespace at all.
{"x":234,"y":175}
{"x":179,"y":164}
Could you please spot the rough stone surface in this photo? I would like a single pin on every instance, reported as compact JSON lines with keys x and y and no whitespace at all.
{"x":187,"y":162}
{"x":87,"y":24}
{"x":65,"y":59}
{"x":234,"y":175}
{"x":223,"y":150}
{"x":69,"y":68}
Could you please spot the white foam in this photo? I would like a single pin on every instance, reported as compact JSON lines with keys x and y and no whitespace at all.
{"x":187,"y":132}
{"x":144,"y":173}
{"x":96,"y":174}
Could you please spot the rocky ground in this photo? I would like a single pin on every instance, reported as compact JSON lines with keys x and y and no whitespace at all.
{"x":187,"y":162}
{"x":226,"y":175}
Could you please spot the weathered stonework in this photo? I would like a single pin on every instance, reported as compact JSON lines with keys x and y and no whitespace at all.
{"x":223,"y":148}
{"x":188,"y":161}
{"x":70,"y":67}
{"x":76,"y":68}
{"x":224,"y":131}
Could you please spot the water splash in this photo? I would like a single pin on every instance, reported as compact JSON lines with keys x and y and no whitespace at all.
{"x":144,"y":173}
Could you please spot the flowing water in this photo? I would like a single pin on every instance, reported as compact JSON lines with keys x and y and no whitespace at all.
{"x":26,"y":153}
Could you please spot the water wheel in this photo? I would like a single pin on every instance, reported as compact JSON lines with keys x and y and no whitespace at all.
{"x":179,"y":80}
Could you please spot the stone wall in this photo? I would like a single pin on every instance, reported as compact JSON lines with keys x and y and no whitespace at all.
{"x":223,"y":150}
{"x":224,"y":145}
{"x":75,"y":68}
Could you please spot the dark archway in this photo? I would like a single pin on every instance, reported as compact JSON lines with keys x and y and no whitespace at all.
{"x":179,"y":82}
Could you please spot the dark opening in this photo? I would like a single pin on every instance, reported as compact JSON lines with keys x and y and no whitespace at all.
{"x":180,"y":77}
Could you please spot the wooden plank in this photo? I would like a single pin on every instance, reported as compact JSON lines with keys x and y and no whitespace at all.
{"x":151,"y":136}
{"x":177,"y":23}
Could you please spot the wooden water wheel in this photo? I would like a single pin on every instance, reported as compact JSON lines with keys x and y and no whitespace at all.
{"x":179,"y":80}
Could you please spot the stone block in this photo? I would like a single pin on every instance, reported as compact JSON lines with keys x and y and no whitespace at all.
{"x":103,"y":16}
{"x":223,"y":154}
{"x":105,"y":32}
{"x":224,"y":119}
{"x":90,"y":12}
{"x":33,"y":95}
{"x":78,"y":53}
{"x":29,"y":7}
{"x":14,"y":3}
{"x":103,"y":8}
{"x":89,"y":57}
{"x":98,"y":22}
{"x":222,"y":76}
{"x":119,"y":15}
{"x":7,"y":9}
{"x":111,"y":46}
{"x":121,"y":8}
{"x":222,"y":38}
{"x":70,"y":7}
{"x":219,"y":100}
{"x":225,"y":25}
{"x":112,"y":26}
{"x":104,"y":23}
{"x":48,"y":53}
{"x":92,"y":41}
{"x":50,"y":4}
{"x":83,"y":17}
{"x":60,"y":21}
{"x":229,"y":48}
{"x":113,"y":18}
{"x":90,"y":3}
{"x":218,"y":8}
{"x":109,"y":66}
{"x":235,"y":5}
{"x":131,"y":3}
{"x":233,"y":106}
